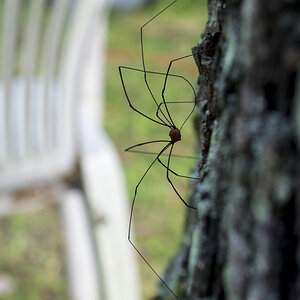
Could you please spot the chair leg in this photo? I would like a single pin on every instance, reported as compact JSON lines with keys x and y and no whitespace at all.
{"x":107,"y":198}
{"x":80,"y":253}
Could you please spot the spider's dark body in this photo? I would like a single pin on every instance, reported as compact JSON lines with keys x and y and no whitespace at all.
{"x":175,"y":135}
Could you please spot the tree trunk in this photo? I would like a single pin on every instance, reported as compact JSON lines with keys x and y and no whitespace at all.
{"x":243,"y":241}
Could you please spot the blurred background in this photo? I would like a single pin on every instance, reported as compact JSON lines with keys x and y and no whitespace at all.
{"x":32,"y":251}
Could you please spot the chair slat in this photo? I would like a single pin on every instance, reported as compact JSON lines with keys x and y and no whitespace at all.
{"x":3,"y":145}
{"x":31,"y":49}
{"x":3,"y":140}
{"x":37,"y":105}
{"x":50,"y":59}
{"x":17,"y":119}
{"x":11,"y":10}
{"x":78,"y":39}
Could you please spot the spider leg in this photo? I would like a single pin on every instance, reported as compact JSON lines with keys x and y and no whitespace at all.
{"x":144,"y":65}
{"x":150,"y":72}
{"x":159,"y":105}
{"x":145,"y":143}
{"x":130,"y":222}
{"x":165,"y":84}
{"x":128,"y":99}
{"x":176,"y":174}
{"x":170,"y":181}
{"x":145,"y":152}
{"x":155,"y":153}
{"x":177,"y":102}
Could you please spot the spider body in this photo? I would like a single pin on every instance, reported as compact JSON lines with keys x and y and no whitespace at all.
{"x":175,"y":135}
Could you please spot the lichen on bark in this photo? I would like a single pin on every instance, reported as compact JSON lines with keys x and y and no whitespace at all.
{"x":243,"y":241}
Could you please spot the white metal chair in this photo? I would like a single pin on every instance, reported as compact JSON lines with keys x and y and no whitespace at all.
{"x":51,"y":86}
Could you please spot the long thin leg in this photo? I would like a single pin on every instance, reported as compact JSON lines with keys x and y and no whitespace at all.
{"x":177,"y":102}
{"x":150,"y":72}
{"x":165,"y":83}
{"x":129,"y":102}
{"x":168,"y":73}
{"x":170,"y":181}
{"x":147,"y":152}
{"x":130,"y":222}
{"x":188,"y":116}
{"x":160,"y":73}
{"x":176,"y":174}
{"x":143,"y":61}
{"x":145,"y":143}
{"x":164,"y":154}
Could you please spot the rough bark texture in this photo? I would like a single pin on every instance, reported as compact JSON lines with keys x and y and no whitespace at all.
{"x":243,"y":242}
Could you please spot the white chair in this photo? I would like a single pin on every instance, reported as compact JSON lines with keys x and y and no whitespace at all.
{"x":51,"y":87}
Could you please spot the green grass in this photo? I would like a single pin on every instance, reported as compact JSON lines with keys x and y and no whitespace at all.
{"x":31,"y":254}
{"x":158,"y":216}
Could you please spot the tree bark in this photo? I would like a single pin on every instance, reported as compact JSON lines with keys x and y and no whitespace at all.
{"x":243,"y":241}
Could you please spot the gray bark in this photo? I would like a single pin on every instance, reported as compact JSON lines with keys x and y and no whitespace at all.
{"x":243,"y":241}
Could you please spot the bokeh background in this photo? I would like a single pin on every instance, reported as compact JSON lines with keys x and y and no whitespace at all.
{"x":31,"y":250}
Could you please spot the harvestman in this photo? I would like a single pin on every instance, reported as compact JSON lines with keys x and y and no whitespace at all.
{"x":164,"y":118}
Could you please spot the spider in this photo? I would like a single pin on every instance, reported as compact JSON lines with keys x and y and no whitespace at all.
{"x":163,"y":117}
